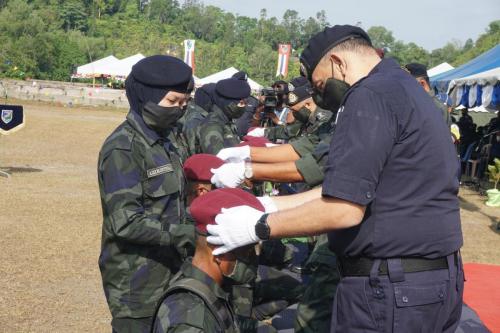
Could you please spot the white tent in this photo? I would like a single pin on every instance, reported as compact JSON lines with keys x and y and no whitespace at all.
{"x":96,"y":67}
{"x":225,"y":74}
{"x":441,"y":68}
{"x":122,"y":68}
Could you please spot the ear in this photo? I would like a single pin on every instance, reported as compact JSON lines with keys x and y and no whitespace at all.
{"x":335,"y":58}
{"x":309,"y":103}
{"x":339,"y":63}
{"x":201,"y":189}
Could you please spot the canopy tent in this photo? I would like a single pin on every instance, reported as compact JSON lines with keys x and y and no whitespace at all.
{"x":474,"y":84}
{"x":484,"y":62}
{"x":225,"y":74}
{"x":490,"y":77}
{"x":439,"y":69}
{"x":122,"y":68}
{"x":95,"y":68}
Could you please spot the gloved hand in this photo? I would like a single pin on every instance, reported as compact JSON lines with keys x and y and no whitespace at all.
{"x":257,"y":132}
{"x":235,"y":154}
{"x":268,"y":204}
{"x":235,"y":228}
{"x":229,"y":175}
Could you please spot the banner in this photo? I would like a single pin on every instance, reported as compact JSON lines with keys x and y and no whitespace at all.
{"x":283,"y":58}
{"x":11,"y":118}
{"x":189,"y":53}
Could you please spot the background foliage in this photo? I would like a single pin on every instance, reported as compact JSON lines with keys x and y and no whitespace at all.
{"x":47,"y":39}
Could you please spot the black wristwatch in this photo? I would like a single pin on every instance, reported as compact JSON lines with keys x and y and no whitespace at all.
{"x":262,"y":229}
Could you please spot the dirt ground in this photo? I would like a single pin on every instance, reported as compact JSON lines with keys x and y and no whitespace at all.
{"x":50,"y":222}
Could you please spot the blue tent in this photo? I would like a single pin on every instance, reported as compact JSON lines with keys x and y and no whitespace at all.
{"x":484,"y":62}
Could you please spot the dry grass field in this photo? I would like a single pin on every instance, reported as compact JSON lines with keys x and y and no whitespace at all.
{"x":50,"y":222}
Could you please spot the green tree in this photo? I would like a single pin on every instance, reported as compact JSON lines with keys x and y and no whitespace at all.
{"x":162,"y":11}
{"x":73,"y":16}
{"x":293,"y":25}
{"x":486,"y":41}
{"x":381,"y":37}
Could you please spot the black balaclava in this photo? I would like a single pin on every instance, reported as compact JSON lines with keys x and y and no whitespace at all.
{"x":224,"y":102}
{"x":203,"y":97}
{"x":139,"y":94}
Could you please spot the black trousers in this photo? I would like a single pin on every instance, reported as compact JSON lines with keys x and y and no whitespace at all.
{"x":428,"y":301}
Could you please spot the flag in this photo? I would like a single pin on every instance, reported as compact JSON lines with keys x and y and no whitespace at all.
{"x":189,"y":52}
{"x":11,"y":118}
{"x":283,"y":58}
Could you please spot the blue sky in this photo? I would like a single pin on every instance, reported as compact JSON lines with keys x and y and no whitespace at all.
{"x":429,"y":23}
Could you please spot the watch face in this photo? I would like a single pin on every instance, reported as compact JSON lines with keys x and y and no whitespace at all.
{"x":262,"y":229}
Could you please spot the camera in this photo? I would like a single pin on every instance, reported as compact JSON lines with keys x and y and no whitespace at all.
{"x":270,"y":99}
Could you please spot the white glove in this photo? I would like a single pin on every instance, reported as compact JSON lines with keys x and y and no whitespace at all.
{"x":257,"y":132}
{"x":235,"y":228}
{"x":229,"y":175}
{"x":235,"y":154}
{"x":268,"y":204}
{"x":269,"y":145}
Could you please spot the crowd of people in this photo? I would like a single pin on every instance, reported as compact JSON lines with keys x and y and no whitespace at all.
{"x":336,"y":191}
{"x":478,"y":143}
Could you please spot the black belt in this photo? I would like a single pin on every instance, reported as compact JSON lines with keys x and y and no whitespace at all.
{"x":361,"y":266}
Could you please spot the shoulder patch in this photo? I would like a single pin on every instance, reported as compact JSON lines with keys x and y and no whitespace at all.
{"x":324,"y":115}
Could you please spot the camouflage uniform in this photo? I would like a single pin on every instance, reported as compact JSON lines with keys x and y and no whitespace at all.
{"x":283,"y":132}
{"x":314,"y":311}
{"x":313,"y":131}
{"x":315,"y":308}
{"x":443,"y":107}
{"x":216,"y":132}
{"x":195,"y":115}
{"x":144,"y":238}
{"x":185,"y":311}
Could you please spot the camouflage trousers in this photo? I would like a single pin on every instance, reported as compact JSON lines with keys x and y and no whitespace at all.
{"x":315,"y":309}
{"x":131,"y":325}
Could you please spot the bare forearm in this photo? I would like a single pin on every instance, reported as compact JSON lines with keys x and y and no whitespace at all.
{"x":281,"y":153}
{"x":276,"y":172}
{"x":295,"y":200}
{"x":315,"y":217}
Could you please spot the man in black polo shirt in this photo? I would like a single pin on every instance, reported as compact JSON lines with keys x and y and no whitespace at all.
{"x":389,"y":198}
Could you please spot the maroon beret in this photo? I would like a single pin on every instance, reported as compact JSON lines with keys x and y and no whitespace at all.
{"x":197,"y":167}
{"x":205,"y":208}
{"x":254,"y":141}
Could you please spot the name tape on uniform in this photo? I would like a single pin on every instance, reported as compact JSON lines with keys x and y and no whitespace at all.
{"x":160,"y":170}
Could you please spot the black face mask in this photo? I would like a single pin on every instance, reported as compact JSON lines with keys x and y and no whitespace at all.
{"x":233,"y":111}
{"x":332,"y":94}
{"x":302,"y":115}
{"x":161,"y":118}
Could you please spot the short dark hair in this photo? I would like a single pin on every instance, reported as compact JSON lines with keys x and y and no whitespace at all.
{"x":357,"y":45}
{"x":353,"y":45}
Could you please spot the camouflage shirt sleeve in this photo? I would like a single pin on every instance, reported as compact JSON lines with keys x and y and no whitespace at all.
{"x":211,"y":137}
{"x":303,"y":145}
{"x":122,"y":198}
{"x":283,"y":132}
